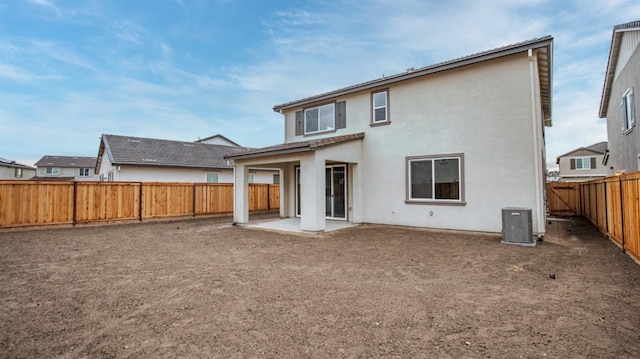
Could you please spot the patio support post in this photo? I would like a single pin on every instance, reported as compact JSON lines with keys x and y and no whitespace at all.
{"x":312,"y":183}
{"x":240,"y":193}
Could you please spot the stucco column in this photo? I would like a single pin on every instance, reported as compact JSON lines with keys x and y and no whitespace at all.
{"x":240,"y":193}
{"x":312,"y":196}
{"x":357,"y":185}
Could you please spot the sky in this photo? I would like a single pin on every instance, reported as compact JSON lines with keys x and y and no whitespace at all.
{"x":181,"y":70}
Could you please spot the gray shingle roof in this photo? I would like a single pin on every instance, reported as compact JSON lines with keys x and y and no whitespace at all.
{"x":67,"y":161}
{"x":125,"y":150}
{"x":600,"y":147}
{"x":13,"y":164}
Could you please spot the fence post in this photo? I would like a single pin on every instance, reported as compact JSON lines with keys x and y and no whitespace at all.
{"x":140,"y":203}
{"x":268,"y":197}
{"x":606,"y":208}
{"x":194,"y":200}
{"x":621,"y":212}
{"x":75,"y":198}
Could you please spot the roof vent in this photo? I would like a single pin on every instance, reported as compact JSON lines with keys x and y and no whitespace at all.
{"x":149,"y":160}
{"x":410,"y":69}
{"x":136,"y":141}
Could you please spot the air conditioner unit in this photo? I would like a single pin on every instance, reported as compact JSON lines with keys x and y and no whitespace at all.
{"x":517,"y":227}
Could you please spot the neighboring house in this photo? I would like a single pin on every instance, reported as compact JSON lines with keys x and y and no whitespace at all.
{"x":444,"y":146}
{"x":124,"y":158}
{"x":10,"y":170}
{"x":65,"y":168}
{"x":620,"y":99}
{"x":218,"y":140}
{"x":584,"y":163}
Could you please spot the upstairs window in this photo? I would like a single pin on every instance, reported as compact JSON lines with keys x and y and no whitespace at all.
{"x":18,"y":173}
{"x":379,"y":107}
{"x":434,"y":179}
{"x":52,"y":170}
{"x":628,"y":109}
{"x":583,"y":163}
{"x":319,"y":119}
{"x":84,"y":172}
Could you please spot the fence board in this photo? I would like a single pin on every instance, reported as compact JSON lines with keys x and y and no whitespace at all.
{"x":563,"y":199}
{"x":25,"y":203}
{"x":613,"y":205}
{"x":35,"y":203}
{"x":213,"y":198}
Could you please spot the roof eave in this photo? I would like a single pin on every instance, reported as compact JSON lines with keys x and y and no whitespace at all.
{"x":546,"y":41}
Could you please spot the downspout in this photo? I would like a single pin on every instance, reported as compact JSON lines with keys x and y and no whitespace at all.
{"x":536,"y":154}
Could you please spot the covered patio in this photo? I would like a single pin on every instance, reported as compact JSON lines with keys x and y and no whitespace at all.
{"x":320,"y":182}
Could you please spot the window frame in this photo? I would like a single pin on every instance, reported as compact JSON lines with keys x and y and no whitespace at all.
{"x":52,"y":171}
{"x":628,"y":110}
{"x":387,"y":119}
{"x":434,"y":158}
{"x":582,"y":160}
{"x":206,"y":177}
{"x":83,"y":170}
{"x":318,"y":107}
{"x":18,"y":172}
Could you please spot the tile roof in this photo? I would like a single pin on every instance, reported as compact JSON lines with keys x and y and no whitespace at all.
{"x":125,"y":150}
{"x":67,"y":161}
{"x":295,"y":147}
{"x":544,"y":66}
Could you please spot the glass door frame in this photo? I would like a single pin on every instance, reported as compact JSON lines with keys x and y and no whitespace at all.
{"x":298,"y":212}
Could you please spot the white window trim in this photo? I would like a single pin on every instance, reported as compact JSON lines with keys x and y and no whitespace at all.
{"x":18,"y":173}
{"x":206,"y":177}
{"x":582,"y":161}
{"x":54,"y":171}
{"x":252,"y":178}
{"x":374,"y":107}
{"x":434,"y":158}
{"x":333,"y":119}
{"x":628,"y":111}
{"x":88,"y":171}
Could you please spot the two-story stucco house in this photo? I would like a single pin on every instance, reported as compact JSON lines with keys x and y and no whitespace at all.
{"x":139,"y":159}
{"x":444,"y":146}
{"x":620,"y":100}
{"x":11,"y":170}
{"x":584,"y":163}
{"x":66,"y":168}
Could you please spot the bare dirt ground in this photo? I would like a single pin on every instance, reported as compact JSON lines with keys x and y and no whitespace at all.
{"x":204,"y":289}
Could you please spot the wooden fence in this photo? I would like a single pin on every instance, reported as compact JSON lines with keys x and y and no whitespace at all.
{"x":32,"y":203}
{"x":612,"y":204}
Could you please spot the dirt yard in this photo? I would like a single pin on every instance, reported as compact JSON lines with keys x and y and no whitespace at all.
{"x":205,"y":289}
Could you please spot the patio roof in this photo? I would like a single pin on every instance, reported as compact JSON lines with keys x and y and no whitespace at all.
{"x":295,"y":147}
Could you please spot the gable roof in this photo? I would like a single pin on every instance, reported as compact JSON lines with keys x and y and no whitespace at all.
{"x":545,"y":66}
{"x":217,"y":136}
{"x":13,"y":164}
{"x":140,"y":151}
{"x":614,"y":52}
{"x":67,"y":161}
{"x":295,"y":147}
{"x":598,"y":148}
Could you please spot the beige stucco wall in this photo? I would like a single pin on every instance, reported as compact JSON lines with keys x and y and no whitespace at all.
{"x":162,"y":174}
{"x":577,"y":175}
{"x":67,"y":172}
{"x":483,"y":111}
{"x":9,"y":173}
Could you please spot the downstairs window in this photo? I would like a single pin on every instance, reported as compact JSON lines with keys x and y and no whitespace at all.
{"x":435,"y":179}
